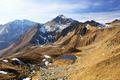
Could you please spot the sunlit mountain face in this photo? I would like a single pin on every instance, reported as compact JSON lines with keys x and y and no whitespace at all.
{"x":59,"y":40}
{"x":11,"y":32}
{"x":46,"y":33}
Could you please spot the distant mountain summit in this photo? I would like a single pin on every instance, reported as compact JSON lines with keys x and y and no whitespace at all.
{"x":94,"y":23}
{"x":53,"y":29}
{"x":17,"y":26}
{"x":61,"y":16}
{"x":12,"y":31}
{"x":115,"y":22}
{"x":59,"y":23}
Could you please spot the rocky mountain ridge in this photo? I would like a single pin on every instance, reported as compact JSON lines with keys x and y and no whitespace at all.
{"x":83,"y":51}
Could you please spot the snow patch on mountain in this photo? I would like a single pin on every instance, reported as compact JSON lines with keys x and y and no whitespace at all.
{"x":42,"y":29}
{"x":3,"y":72}
{"x":62,"y":16}
{"x":2,"y":30}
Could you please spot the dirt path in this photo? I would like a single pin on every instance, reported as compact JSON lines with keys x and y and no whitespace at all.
{"x":37,"y":76}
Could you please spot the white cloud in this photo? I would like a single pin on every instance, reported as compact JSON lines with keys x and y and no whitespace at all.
{"x":102,"y":17}
{"x":20,"y":9}
{"x":41,"y":11}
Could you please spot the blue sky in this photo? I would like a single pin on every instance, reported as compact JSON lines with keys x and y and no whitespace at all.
{"x":44,"y":10}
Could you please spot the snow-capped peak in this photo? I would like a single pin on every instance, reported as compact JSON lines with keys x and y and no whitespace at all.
{"x":12,"y":31}
{"x":62,"y":16}
{"x":22,"y":22}
{"x":59,"y":23}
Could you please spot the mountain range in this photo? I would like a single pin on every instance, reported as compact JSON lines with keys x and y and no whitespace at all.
{"x":12,"y":31}
{"x":60,"y":49}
